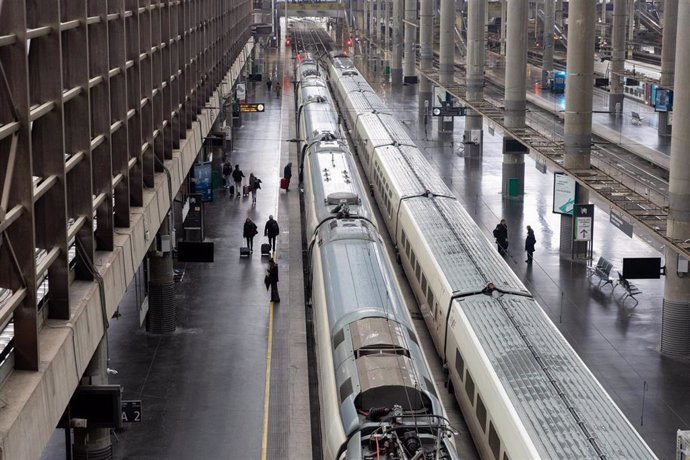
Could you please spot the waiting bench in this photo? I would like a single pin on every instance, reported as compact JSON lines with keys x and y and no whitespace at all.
{"x":636,"y":119}
{"x":630,"y":289}
{"x":602,"y":271}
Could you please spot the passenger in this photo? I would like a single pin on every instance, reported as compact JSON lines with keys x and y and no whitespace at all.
{"x":501,"y":235}
{"x":237,"y":176}
{"x":254,"y":185}
{"x":268,"y":84}
{"x":277,"y":89}
{"x":271,"y":230}
{"x":227,"y":172}
{"x":272,"y":280}
{"x":530,"y":241}
{"x":249,"y":232}
{"x":287,"y":174}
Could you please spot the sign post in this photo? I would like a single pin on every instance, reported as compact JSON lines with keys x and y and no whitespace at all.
{"x":583,"y":229}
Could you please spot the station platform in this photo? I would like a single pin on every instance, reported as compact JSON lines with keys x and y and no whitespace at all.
{"x":616,"y":338}
{"x":204,"y":388}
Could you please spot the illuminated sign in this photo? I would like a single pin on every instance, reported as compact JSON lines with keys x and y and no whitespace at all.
{"x":256,"y":107}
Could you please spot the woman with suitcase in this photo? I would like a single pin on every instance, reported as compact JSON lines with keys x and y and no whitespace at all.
{"x":250,"y":230}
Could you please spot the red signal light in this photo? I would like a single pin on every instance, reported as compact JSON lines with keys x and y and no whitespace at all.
{"x":287,"y":41}
{"x":349,"y":42}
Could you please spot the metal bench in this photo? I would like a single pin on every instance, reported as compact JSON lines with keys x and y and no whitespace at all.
{"x":602,"y":271}
{"x":636,"y":119}
{"x":630,"y":289}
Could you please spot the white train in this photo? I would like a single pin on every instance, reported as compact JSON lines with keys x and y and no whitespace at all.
{"x":376,"y":393}
{"x":523,"y":390}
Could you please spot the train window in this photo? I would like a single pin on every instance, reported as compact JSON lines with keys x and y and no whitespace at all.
{"x":338,"y":338}
{"x":404,"y":239}
{"x":459,"y":364}
{"x":345,"y":390}
{"x":481,"y":412}
{"x":469,"y":388}
{"x":430,"y":387}
{"x":409,"y":251}
{"x":424,"y":286}
{"x":430,"y":299}
{"x":418,"y":272}
{"x":505,"y":456}
{"x":494,"y":441}
{"x":413,"y":337}
{"x":413,"y":260}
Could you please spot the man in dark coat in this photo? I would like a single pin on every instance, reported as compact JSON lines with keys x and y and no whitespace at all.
{"x":248,"y":232}
{"x":530,"y":241}
{"x":237,"y":176}
{"x":271,"y":230}
{"x":272,"y":278}
{"x":501,"y":235}
{"x":287,"y":173}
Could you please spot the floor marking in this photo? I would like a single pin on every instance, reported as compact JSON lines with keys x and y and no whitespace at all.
{"x":267,"y":386}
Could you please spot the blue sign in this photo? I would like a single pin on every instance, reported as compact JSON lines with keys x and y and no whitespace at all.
{"x":663,"y":102}
{"x":202,"y":181}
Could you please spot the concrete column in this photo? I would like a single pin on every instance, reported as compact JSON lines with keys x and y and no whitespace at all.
{"x":409,"y":71}
{"x":578,"y":103}
{"x":397,"y":44}
{"x":602,"y":22}
{"x":372,"y":28}
{"x":474,"y":65}
{"x":90,"y":443}
{"x":631,"y":28}
{"x":668,"y":57}
{"x":559,"y":14}
{"x":446,"y":66}
{"x":161,"y":286}
{"x":547,"y":62}
{"x":504,"y":22}
{"x":426,"y":18}
{"x":675,"y":337}
{"x":515,"y":99}
{"x":386,"y":27}
{"x":617,"y":57}
{"x":377,"y":24}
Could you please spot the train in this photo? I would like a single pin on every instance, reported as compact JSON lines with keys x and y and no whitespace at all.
{"x":376,"y":393}
{"x":524,"y":392}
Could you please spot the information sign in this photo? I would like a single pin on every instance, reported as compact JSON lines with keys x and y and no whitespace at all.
{"x":241,"y":92}
{"x":448,"y":111}
{"x":202,"y":180}
{"x":131,"y":411}
{"x":584,"y":222}
{"x":252,"y":107}
{"x":563,"y":193}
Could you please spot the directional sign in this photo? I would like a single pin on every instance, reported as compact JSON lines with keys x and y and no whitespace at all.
{"x":584,"y":222}
{"x":448,"y":111}
{"x":255,"y":107}
{"x":131,"y":411}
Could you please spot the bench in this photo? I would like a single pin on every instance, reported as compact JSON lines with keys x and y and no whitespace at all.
{"x":636,"y":119}
{"x":630,"y":289}
{"x":602,"y":271}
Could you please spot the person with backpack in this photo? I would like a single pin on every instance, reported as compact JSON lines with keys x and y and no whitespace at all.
{"x":227,"y":172}
{"x":237,"y":176}
{"x":249,"y":231}
{"x":271,"y":230}
{"x":254,"y":185}
{"x":501,"y":235}
{"x":530,"y":241}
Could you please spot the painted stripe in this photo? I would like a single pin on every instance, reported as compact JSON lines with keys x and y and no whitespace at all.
{"x":267,"y":385}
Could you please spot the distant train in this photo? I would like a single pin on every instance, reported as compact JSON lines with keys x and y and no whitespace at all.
{"x":523,"y":390}
{"x":376,"y":392}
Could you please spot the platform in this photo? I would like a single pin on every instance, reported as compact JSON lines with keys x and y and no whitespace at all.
{"x":616,"y":339}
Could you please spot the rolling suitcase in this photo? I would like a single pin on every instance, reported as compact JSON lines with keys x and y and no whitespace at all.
{"x":245,"y":191}
{"x":265,"y":249}
{"x":284,"y":183}
{"x":244,"y":252}
{"x":232,"y":191}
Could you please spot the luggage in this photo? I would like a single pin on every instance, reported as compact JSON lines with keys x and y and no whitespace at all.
{"x":244,"y":252}
{"x":265,"y":249}
{"x":245,"y":190}
{"x":284,"y":183}
{"x":232,"y":191}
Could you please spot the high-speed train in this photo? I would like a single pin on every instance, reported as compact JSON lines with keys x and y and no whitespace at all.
{"x":377,"y":397}
{"x":523,"y":390}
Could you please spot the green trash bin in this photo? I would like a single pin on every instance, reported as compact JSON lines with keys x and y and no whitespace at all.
{"x":216,"y":180}
{"x":513,"y":187}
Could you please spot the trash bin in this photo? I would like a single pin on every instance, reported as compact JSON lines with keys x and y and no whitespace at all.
{"x":513,"y":187}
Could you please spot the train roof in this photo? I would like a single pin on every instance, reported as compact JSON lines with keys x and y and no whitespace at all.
{"x":544,"y":400}
{"x":461,"y":250}
{"x":383,"y":129}
{"x":361,"y":103}
{"x":412,"y":172}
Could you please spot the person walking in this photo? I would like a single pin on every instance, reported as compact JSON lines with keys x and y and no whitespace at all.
{"x":250,"y":230}
{"x":277,"y":89}
{"x":287,"y":174}
{"x":237,"y":176}
{"x":501,"y":235}
{"x":271,"y":230}
{"x":272,"y":280}
{"x":227,"y":172}
{"x":254,"y":185}
{"x":530,"y":241}
{"x":268,"y":84}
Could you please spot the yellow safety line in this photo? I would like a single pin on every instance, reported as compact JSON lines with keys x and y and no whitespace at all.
{"x":267,"y":386}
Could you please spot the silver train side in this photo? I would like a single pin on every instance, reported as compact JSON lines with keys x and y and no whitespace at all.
{"x":376,"y":393}
{"x":523,"y":390}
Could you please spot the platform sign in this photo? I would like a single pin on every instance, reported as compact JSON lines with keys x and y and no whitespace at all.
{"x":241,"y":92}
{"x":563,"y":193}
{"x":584,"y":222}
{"x":448,"y":111}
{"x":131,"y":411}
{"x":620,"y":223}
{"x":250,"y":108}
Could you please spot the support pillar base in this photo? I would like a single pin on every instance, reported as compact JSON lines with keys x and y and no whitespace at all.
{"x":675,"y":329}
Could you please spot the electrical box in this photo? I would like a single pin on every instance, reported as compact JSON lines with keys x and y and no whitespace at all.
{"x":682,"y":265}
{"x":164,"y":243}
